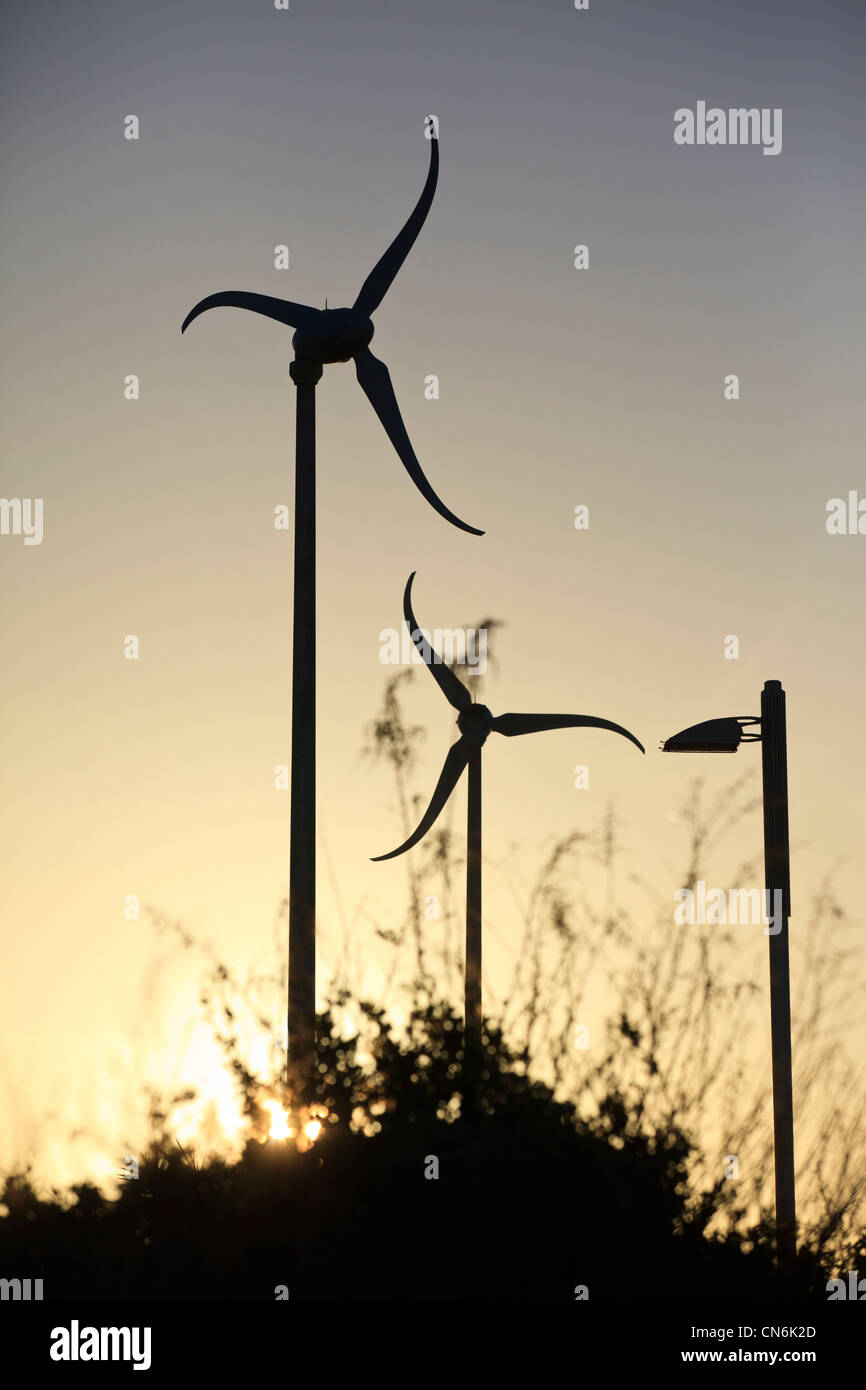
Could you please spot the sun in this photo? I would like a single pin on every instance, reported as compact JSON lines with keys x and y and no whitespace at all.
{"x":280,"y":1127}
{"x":284,"y":1125}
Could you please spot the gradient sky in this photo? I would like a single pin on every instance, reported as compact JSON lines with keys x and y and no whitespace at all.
{"x":557,"y":387}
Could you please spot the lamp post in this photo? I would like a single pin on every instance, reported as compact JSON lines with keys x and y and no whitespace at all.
{"x":725,"y":736}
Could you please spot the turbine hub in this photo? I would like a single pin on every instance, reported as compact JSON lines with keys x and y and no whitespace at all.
{"x":475,"y":723}
{"x":334,"y":336}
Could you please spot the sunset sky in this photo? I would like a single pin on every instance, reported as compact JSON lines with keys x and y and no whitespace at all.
{"x":558,"y":387}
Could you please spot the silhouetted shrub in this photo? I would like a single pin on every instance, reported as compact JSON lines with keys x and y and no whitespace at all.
{"x":529,"y":1201}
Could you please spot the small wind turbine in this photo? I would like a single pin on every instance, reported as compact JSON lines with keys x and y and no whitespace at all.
{"x":475,"y":723}
{"x":336,"y":335}
{"x":323,"y":336}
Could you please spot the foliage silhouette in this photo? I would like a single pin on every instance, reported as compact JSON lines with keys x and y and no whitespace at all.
{"x":530,"y":1202}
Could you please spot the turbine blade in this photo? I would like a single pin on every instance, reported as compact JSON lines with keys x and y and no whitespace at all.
{"x":283,"y":310}
{"x":452,"y":687}
{"x":512,"y":724}
{"x":375,"y":382}
{"x":379,"y":281}
{"x":458,"y":757}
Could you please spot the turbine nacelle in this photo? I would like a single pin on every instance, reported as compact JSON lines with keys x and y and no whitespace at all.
{"x":475,"y":723}
{"x":333,"y":335}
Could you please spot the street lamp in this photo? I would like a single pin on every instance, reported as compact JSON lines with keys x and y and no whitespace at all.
{"x":725,"y":736}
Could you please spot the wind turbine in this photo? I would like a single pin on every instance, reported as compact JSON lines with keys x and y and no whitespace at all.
{"x":475,"y":723}
{"x":323,"y":336}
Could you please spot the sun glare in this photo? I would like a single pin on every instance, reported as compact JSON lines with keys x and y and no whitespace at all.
{"x":283,"y":1123}
{"x":280,"y":1128}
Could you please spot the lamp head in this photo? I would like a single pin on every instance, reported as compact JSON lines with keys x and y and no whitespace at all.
{"x":713,"y":736}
